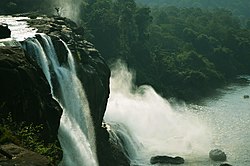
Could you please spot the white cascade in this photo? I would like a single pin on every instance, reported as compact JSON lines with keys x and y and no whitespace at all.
{"x":76,"y":132}
{"x":149,"y":125}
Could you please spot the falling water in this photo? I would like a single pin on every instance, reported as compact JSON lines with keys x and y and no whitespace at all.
{"x":76,"y":133}
{"x":148,"y":124}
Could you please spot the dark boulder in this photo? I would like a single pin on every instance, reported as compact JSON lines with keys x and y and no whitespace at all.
{"x":166,"y":160}
{"x":4,"y":31}
{"x":217,"y":155}
{"x":246,"y":96}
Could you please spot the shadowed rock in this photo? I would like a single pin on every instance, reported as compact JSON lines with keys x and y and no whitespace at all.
{"x":4,"y":31}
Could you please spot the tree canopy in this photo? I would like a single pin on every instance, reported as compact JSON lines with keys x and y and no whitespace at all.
{"x":183,"y":52}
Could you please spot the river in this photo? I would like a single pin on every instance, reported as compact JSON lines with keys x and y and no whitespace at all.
{"x":227,"y":114}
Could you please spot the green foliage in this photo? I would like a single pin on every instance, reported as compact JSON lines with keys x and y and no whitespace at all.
{"x":240,"y":7}
{"x":28,"y":136}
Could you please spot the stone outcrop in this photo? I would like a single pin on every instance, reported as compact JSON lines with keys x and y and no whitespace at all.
{"x":166,"y":160}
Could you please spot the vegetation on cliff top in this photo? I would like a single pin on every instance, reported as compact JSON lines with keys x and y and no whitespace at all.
{"x":29,"y":136}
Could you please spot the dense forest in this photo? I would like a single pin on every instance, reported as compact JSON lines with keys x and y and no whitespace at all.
{"x":239,"y":7}
{"x":181,"y":52}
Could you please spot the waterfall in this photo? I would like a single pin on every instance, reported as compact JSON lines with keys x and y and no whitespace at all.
{"x":76,"y":131}
{"x":121,"y":135}
{"x":148,"y":125}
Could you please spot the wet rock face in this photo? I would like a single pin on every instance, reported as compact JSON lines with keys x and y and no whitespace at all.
{"x":25,"y":92}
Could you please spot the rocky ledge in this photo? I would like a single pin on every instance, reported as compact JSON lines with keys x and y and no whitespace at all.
{"x":11,"y":154}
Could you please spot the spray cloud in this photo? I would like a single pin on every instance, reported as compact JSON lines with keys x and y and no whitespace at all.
{"x":151,"y":120}
{"x":70,"y":8}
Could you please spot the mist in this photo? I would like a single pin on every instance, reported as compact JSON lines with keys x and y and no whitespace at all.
{"x":69,"y":8}
{"x":151,"y":120}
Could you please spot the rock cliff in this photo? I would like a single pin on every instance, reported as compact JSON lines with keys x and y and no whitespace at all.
{"x":26,"y":93}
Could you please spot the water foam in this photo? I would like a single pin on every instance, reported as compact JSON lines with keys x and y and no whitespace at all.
{"x":155,"y":127}
{"x":19,"y":27}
